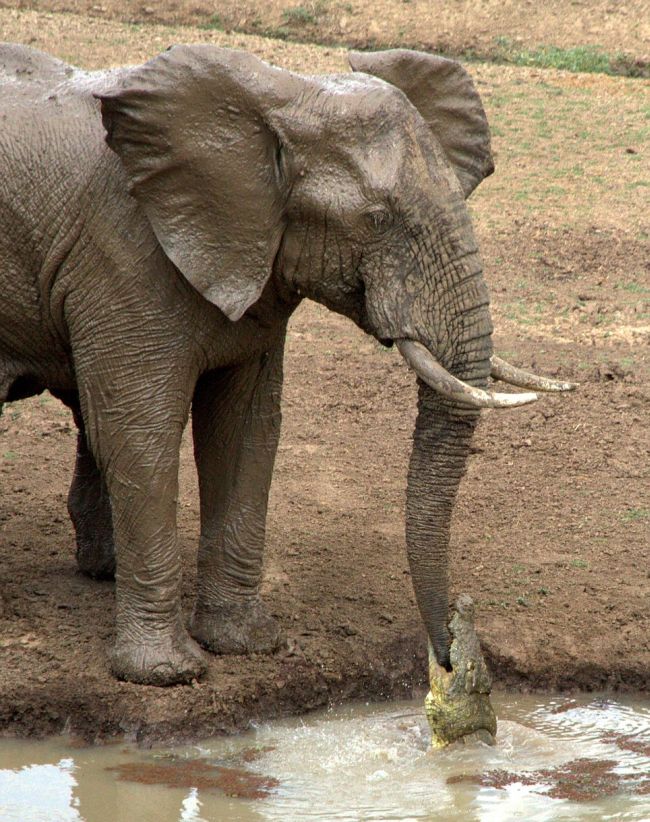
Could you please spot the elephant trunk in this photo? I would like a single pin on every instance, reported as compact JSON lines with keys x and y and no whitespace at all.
{"x":441,"y":444}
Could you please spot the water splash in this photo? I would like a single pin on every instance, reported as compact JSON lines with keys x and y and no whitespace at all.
{"x":358,"y":763}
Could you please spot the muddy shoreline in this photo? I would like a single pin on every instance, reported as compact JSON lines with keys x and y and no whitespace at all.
{"x":92,"y":713}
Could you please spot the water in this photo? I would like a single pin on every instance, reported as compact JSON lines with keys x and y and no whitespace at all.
{"x":350,"y":763}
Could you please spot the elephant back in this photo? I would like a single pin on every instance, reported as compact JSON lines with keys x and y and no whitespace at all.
{"x":30,"y":67}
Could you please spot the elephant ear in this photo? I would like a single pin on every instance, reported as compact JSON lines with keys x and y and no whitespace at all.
{"x":192,"y":132}
{"x":444,"y":94}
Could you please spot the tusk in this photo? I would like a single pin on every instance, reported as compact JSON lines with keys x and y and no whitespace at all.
{"x":501,"y":370}
{"x":420,"y":359}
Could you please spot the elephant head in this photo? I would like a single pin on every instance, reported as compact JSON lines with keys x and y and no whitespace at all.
{"x":349,"y":189}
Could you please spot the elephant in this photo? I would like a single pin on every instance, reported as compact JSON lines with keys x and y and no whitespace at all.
{"x":160,"y":224}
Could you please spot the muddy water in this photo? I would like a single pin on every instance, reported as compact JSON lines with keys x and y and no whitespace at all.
{"x":556,"y":759}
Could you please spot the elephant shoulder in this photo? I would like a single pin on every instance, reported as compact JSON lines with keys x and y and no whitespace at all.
{"x":29,"y":77}
{"x":27,"y":66}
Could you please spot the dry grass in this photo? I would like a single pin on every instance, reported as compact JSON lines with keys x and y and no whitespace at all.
{"x":93,"y":42}
{"x":492,"y":28}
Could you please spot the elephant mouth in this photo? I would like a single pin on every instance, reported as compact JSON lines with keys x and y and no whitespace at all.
{"x":429,"y":370}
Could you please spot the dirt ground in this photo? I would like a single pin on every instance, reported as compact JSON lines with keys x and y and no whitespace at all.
{"x":551,"y":531}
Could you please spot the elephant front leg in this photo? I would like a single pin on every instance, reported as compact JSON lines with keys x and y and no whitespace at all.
{"x":136,"y":444}
{"x":236,"y":425}
{"x":152,"y":645}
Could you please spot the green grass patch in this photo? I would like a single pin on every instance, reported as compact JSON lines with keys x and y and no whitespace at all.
{"x":524,"y":312}
{"x":585,"y":59}
{"x":304,"y":15}
{"x":635,"y":514}
{"x":215,"y":23}
{"x":299,"y":15}
{"x":633,"y":288}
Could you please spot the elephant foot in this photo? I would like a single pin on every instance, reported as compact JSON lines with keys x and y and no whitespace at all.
{"x":96,"y":556}
{"x":168,"y":660}
{"x":242,"y":628}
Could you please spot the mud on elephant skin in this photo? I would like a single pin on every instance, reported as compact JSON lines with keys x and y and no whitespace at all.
{"x":160,"y":223}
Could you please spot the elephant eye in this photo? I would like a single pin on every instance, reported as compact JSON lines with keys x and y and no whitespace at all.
{"x":379,"y":219}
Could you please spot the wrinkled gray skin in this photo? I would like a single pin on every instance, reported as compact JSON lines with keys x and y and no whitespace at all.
{"x":159,"y":225}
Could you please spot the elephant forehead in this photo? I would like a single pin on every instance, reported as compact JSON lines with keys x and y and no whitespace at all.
{"x":376,"y":130}
{"x":359,"y":100}
{"x":360,"y":131}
